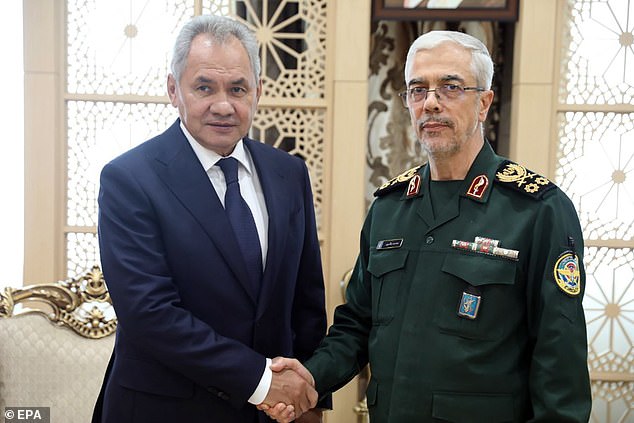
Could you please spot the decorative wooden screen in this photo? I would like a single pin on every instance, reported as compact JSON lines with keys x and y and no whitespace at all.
{"x":595,"y":163}
{"x":117,"y":60}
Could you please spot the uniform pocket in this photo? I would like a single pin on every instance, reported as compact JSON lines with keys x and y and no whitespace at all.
{"x":473,"y":408}
{"x":493,"y":280}
{"x":387,"y":270}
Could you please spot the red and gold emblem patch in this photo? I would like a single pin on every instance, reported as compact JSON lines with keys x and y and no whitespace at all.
{"x":478,"y":186}
{"x":414,"y":186}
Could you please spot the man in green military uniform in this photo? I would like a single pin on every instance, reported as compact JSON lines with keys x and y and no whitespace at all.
{"x":466,"y":296}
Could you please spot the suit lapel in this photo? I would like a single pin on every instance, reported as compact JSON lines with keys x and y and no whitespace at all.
{"x":180,"y":169}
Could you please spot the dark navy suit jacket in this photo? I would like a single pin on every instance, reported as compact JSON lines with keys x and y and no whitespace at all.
{"x":192,"y":338}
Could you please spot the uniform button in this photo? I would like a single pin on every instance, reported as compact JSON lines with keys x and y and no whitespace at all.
{"x":429,"y":240}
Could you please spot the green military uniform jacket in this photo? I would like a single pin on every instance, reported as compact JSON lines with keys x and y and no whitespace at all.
{"x":457,"y":330}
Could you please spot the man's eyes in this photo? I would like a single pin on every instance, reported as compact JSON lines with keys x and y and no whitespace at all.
{"x":448,"y":87}
{"x":452,"y":87}
{"x":233,"y":91}
{"x":239,"y":91}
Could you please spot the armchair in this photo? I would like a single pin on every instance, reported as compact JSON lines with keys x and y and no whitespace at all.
{"x":55,"y":342}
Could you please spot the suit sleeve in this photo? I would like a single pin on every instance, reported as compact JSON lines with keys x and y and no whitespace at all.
{"x":147,"y":300}
{"x":558,"y":379}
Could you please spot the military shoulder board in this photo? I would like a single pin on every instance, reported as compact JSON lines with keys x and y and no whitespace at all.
{"x":517,"y":177}
{"x":396,"y":182}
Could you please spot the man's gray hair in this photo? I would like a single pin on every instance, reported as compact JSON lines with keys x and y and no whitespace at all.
{"x":481,"y":62}
{"x":220,"y":29}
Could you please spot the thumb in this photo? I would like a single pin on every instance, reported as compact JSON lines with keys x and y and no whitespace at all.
{"x":280,"y":363}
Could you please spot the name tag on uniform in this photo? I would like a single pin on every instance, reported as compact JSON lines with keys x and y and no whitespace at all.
{"x":388,"y":244}
{"x":469,"y":306}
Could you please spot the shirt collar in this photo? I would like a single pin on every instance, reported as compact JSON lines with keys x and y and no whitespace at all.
{"x":208,"y":158}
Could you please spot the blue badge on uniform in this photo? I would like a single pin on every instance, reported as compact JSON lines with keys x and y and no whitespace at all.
{"x":388,"y":244}
{"x":567,"y":273}
{"x":469,"y":305}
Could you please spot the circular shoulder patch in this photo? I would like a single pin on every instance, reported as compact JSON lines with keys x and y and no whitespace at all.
{"x":567,"y":273}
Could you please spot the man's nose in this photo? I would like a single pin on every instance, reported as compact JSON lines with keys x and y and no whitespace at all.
{"x":431,"y":101}
{"x":221,"y":104}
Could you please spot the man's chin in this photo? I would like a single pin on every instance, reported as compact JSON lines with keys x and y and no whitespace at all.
{"x":222,"y":145}
{"x":438,"y":146}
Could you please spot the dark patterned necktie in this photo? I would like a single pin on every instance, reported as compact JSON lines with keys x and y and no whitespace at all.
{"x":242,"y":222}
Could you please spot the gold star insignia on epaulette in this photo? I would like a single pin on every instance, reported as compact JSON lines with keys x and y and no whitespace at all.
{"x":394,"y":182}
{"x":521,"y":179}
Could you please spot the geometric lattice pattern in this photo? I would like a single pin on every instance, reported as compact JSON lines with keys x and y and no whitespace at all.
{"x":609,"y":306}
{"x":82,"y":252}
{"x":299,"y":132}
{"x":98,"y":132}
{"x":595,"y":166}
{"x":121,"y":46}
{"x":596,"y":169}
{"x":292,"y":38}
{"x":599,"y":52}
{"x":612,"y":402}
{"x":117,"y":57}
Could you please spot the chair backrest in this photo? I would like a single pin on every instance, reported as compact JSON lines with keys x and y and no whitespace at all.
{"x":57,"y":361}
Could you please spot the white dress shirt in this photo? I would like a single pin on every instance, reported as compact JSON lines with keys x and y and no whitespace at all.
{"x":251,"y":191}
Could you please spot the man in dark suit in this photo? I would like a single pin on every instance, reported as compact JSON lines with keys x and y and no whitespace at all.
{"x":202,"y":307}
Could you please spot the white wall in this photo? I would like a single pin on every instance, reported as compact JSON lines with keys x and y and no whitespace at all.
{"x":12,"y":157}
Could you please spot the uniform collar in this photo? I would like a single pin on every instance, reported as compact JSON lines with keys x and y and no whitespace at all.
{"x":479,"y":180}
{"x":476,"y":185}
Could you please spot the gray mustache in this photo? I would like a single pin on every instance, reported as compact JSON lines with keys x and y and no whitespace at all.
{"x":422,"y":122}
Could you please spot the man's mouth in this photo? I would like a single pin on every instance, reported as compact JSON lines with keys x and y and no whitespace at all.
{"x":222,"y":124}
{"x":434,"y":124}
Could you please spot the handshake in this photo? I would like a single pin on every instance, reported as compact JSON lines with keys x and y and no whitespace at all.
{"x":292,"y":393}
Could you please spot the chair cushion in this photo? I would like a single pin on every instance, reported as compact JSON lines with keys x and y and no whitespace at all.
{"x":42,"y":365}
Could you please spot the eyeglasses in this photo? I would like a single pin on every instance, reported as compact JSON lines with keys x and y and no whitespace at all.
{"x":444,"y":92}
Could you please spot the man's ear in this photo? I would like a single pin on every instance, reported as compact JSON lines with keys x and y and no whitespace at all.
{"x":171,"y":90}
{"x":258,"y":91}
{"x":486,"y":99}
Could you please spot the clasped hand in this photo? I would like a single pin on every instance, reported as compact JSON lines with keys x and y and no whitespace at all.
{"x":292,"y":392}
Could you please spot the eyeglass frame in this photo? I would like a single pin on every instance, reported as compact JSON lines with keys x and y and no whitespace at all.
{"x":404,"y":94}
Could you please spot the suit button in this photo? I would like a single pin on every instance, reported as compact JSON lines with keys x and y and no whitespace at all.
{"x":429,"y":240}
